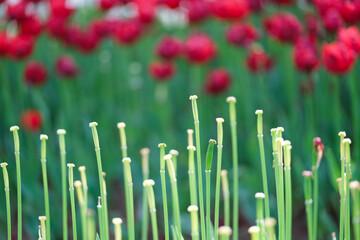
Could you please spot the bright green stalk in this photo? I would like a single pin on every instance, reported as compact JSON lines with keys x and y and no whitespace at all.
{"x":226,"y":196}
{"x":234,"y":143}
{"x":308,"y":203}
{"x":319,"y":150}
{"x":260,"y":214}
{"x":83,"y":210}
{"x":7,"y":196}
{"x":162,"y":147}
{"x":93,"y":125}
{"x":148,"y":185}
{"x":355,"y":190}
{"x":190,"y":133}
{"x":84,"y":185}
{"x":193,"y":209}
{"x":91,"y":225}
{"x":281,"y":207}
{"x":270,"y":228}
{"x":274,"y":135}
{"x":145,"y":174}
{"x":260,"y":136}
{"x":61,"y":133}
{"x":209,"y":158}
{"x":174,"y":154}
{"x":106,"y":216}
{"x":129,"y":183}
{"x":342,"y":198}
{"x":117,"y":226}
{"x":43,"y":226}
{"x":218,"y":173}
{"x":72,"y":198}
{"x":192,"y":176}
{"x":15,"y":130}
{"x":174,"y":190}
{"x":288,"y":189}
{"x":198,"y":156}
{"x":254,"y":232}
{"x":224,"y":232}
{"x":347,"y":143}
{"x":101,"y":217}
{"x":123,"y":142}
{"x":43,"y":139}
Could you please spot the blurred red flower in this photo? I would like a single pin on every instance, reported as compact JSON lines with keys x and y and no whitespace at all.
{"x":128,"y":31}
{"x":218,"y":81}
{"x":31,"y":120}
{"x":146,"y":10}
{"x":56,"y":27}
{"x":4,"y":43}
{"x":107,"y":4}
{"x":59,"y":8}
{"x":72,"y":35}
{"x":350,"y":11}
{"x":197,"y":11}
{"x":35,"y":74}
{"x":21,"y":46}
{"x":17,"y":11}
{"x":337,"y":57}
{"x":66,"y":66}
{"x":88,"y":41}
{"x":170,"y":3}
{"x":161,"y":70}
{"x":350,"y":37}
{"x":332,"y":20}
{"x":230,"y":9}
{"x":199,"y":48}
{"x":284,"y":27}
{"x":323,"y":6}
{"x":241,"y":34}
{"x":312,"y":26}
{"x":257,"y":60}
{"x":31,"y":26}
{"x":305,"y":55}
{"x":283,"y":2}
{"x":169,"y":47}
{"x":101,"y":27}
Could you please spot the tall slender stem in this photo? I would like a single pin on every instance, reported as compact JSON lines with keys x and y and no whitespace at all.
{"x":342,"y":184}
{"x":355,"y":192}
{"x":43,"y":139}
{"x":43,"y":227}
{"x":84,"y":185}
{"x":234,"y":143}
{"x":162,"y":147}
{"x":226,"y":197}
{"x":218,"y":173}
{"x":270,"y":228}
{"x":260,"y":214}
{"x":209,"y":159}
{"x":101,"y":217}
{"x":83,"y":210}
{"x":192,"y":176}
{"x":281,"y":207}
{"x":72,"y":198}
{"x":347,"y":143}
{"x":148,"y":184}
{"x":308,"y":203}
{"x":7,"y":197}
{"x":91,"y":226}
{"x":198,"y":156}
{"x":117,"y":225}
{"x":15,"y":129}
{"x":145,"y":209}
{"x":62,"y":147}
{"x":129,"y":183}
{"x":193,"y":209}
{"x":288,"y":190}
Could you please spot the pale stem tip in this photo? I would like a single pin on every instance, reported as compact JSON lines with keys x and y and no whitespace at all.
{"x":162,"y":145}
{"x":148,"y":182}
{"x":13,"y":128}
{"x":192,"y":208}
{"x":127,"y":159}
{"x":190,"y":131}
{"x":231,"y":99}
{"x":193,"y":97}
{"x":121,"y":125}
{"x":93,"y":124}
{"x":225,"y":230}
{"x":191,"y":148}
{"x":61,"y":131}
{"x":219,"y":120}
{"x":260,"y":195}
{"x":43,"y":137}
{"x":342,"y":133}
{"x":212,"y":140}
{"x":144,"y":151}
{"x":77,"y":183}
{"x":82,"y":168}
{"x":286,"y":143}
{"x":280,"y":129}
{"x":254,"y":229}
{"x":104,"y":174}
{"x":307,"y":174}
{"x":354,"y":185}
{"x":279,"y":140}
{"x":42,"y":218}
{"x":4,"y":164}
{"x":273,"y":130}
{"x":116,"y":221}
{"x":223,"y":172}
{"x":347,"y":140}
{"x":259,"y":112}
{"x":174,"y":152}
{"x":71,"y":165}
{"x":270,"y":222}
{"x":168,"y":157}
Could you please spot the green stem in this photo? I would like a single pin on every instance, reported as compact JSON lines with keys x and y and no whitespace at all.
{"x":145,"y":209}
{"x":162,"y":147}
{"x":193,"y":209}
{"x":288,"y":202}
{"x":316,"y":200}
{"x":7,"y":196}
{"x":260,"y":214}
{"x":308,"y":203}
{"x":356,"y":210}
{"x":226,"y":196}
{"x":234,"y":143}
{"x":198,"y":156}
{"x":43,"y":139}
{"x":218,"y":174}
{"x":208,"y":202}
{"x":101,"y":218}
{"x":192,"y":176}
{"x":72,"y":199}
{"x":280,"y":167}
{"x":117,"y":225}
{"x":85,"y":203}
{"x":148,"y":184}
{"x":91,"y":226}
{"x":342,"y":184}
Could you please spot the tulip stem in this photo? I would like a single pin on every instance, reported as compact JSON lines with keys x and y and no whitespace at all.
{"x":162,"y":147}
{"x":308,"y":203}
{"x":209,"y":158}
{"x":7,"y":196}
{"x":72,"y":199}
{"x":43,"y":139}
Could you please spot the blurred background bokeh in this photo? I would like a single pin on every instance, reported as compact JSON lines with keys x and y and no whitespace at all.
{"x":65,"y":63}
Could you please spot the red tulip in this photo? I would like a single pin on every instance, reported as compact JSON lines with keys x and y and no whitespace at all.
{"x":350,"y":11}
{"x":332,"y":20}
{"x":305,"y":56}
{"x":66,"y":67}
{"x":59,"y":8}
{"x":284,"y":27}
{"x":35,"y":74}
{"x":350,"y":37}
{"x":218,"y":81}
{"x":21,"y":46}
{"x":170,"y":3}
{"x":17,"y":11}
{"x":241,"y":34}
{"x":88,"y":41}
{"x":128,"y":31}
{"x":199,"y":48}
{"x":56,"y":27}
{"x":323,"y":6}
{"x":146,"y":10}
{"x":4,"y":43}
{"x":256,"y":5}
{"x":257,"y":60}
{"x":31,"y":26}
{"x":161,"y":71}
{"x":107,"y":4}
{"x":31,"y":120}
{"x":230,"y":9}
{"x":101,"y":27}
{"x":197,"y":11}
{"x":169,"y":47}
{"x":72,"y":35}
{"x":312,"y":26}
{"x":337,"y":57}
